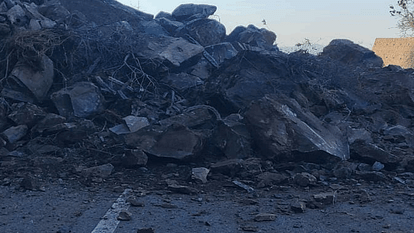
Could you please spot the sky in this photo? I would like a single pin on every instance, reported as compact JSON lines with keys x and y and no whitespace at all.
{"x":319,"y":21}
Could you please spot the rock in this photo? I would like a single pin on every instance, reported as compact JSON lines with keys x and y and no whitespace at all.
{"x":131,"y":124}
{"x":280,"y":127}
{"x":205,"y":31}
{"x":377,"y":166}
{"x":185,"y":12}
{"x":134,"y":158}
{"x":267,"y":179}
{"x":298,"y":206}
{"x":124,"y":215}
{"x":221,"y":52}
{"x":304,"y":179}
{"x":325,"y":198}
{"x":17,"y":15}
{"x":182,"y":82}
{"x":74,"y":131}
{"x":27,"y":79}
{"x":200,"y":173}
{"x":194,"y":117}
{"x":154,"y":28}
{"x":163,"y":14}
{"x":169,"y":25}
{"x":175,"y":141}
{"x":182,"y":189}
{"x":352,"y":54}
{"x":26,"y":114}
{"x":171,"y":52}
{"x":83,"y":99}
{"x":15,"y":133}
{"x":264,"y":217}
{"x":344,"y":170}
{"x":244,"y":186}
{"x":253,"y":36}
{"x":31,"y":183}
{"x":51,"y":123}
{"x":102,"y":171}
{"x":369,"y":151}
{"x":233,"y":138}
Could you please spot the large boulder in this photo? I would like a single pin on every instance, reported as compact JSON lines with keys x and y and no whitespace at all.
{"x":253,"y":36}
{"x":285,"y":131}
{"x":350,"y":53}
{"x":185,"y":12}
{"x":205,"y":31}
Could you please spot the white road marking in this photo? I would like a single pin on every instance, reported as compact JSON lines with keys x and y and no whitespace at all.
{"x":109,"y":221}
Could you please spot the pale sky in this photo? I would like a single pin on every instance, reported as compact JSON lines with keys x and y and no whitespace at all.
{"x":320,"y":21}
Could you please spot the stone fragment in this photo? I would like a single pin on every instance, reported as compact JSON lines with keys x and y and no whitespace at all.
{"x":191,"y":11}
{"x":298,"y":206}
{"x":124,"y":215}
{"x":325,"y":198}
{"x":200,"y":173}
{"x":377,"y":166}
{"x":227,"y":167}
{"x":73,"y":132}
{"x":31,"y":183}
{"x":375,"y":176}
{"x":169,"y":25}
{"x":182,"y":82}
{"x":30,"y":81}
{"x":267,"y":179}
{"x":15,"y":133}
{"x":264,"y":217}
{"x":304,"y":179}
{"x":370,"y":151}
{"x":135,"y":123}
{"x":51,"y":123}
{"x":221,"y":52}
{"x":26,"y":114}
{"x":17,"y":15}
{"x":182,"y":189}
{"x":134,"y":158}
{"x":83,"y":99}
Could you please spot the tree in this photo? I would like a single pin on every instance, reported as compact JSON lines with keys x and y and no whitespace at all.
{"x":404,"y":11}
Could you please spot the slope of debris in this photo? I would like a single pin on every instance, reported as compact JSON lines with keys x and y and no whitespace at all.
{"x":91,"y":88}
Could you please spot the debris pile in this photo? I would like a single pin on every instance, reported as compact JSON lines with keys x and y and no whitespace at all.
{"x":93,"y":86}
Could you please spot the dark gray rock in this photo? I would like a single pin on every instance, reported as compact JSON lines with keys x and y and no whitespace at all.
{"x":253,"y":36}
{"x":304,"y":179}
{"x":134,"y":158}
{"x":26,"y":114}
{"x":154,"y":28}
{"x":221,"y":52}
{"x":280,"y":127}
{"x":165,"y":15}
{"x":83,"y":99}
{"x":15,"y":133}
{"x":182,"y":82}
{"x":185,"y":12}
{"x":350,"y":53}
{"x":169,"y":25}
{"x":205,"y":31}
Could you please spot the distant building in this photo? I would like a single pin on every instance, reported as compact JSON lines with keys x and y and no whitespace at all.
{"x":395,"y":51}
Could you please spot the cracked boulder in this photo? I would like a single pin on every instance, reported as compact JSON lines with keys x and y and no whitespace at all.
{"x":185,"y":12}
{"x":284,"y":131}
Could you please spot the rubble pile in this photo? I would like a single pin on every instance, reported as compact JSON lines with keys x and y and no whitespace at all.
{"x":89,"y":87}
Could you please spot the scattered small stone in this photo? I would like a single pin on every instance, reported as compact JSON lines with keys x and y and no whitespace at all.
{"x":262,"y":217}
{"x":124,"y":215}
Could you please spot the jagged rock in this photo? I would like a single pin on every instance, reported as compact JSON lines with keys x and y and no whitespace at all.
{"x":372,"y":153}
{"x":191,"y":118}
{"x":325,"y":198}
{"x":182,"y":81}
{"x":75,"y":131}
{"x":268,"y":179}
{"x":26,"y":114}
{"x":17,"y":15}
{"x":262,"y":217}
{"x":154,"y":28}
{"x":175,"y":141}
{"x":253,"y":36}
{"x":304,"y":179}
{"x":15,"y":133}
{"x":233,"y":138}
{"x":131,"y":124}
{"x":221,"y":52}
{"x":372,"y":176}
{"x":350,"y":53}
{"x":193,"y":11}
{"x":171,"y":52}
{"x":205,"y":31}
{"x":51,"y":123}
{"x":30,"y":81}
{"x":169,"y":25}
{"x":280,"y":127}
{"x":165,"y":15}
{"x":83,"y":99}
{"x":200,"y":173}
{"x":227,"y":167}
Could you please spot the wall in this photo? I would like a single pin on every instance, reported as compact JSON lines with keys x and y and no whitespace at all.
{"x":395,"y":51}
